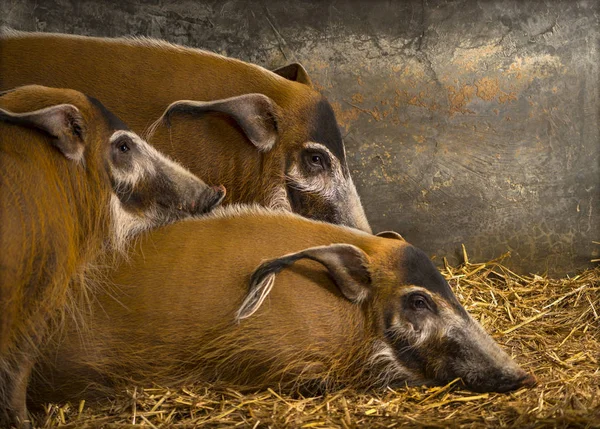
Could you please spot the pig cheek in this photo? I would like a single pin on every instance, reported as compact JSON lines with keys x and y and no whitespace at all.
{"x":404,"y":339}
{"x":447,"y":355}
{"x":420,"y":327}
{"x":430,"y":345}
{"x":138,"y":197}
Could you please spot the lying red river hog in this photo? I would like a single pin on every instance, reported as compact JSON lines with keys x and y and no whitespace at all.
{"x":260,"y":298}
{"x":75,"y":182}
{"x":269,"y":137}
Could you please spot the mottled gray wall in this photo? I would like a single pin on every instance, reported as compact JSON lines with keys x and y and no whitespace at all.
{"x":466,"y":121}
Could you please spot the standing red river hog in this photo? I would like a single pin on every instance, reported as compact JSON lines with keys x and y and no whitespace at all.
{"x":75,"y":183}
{"x":258,"y":298}
{"x":269,"y":137}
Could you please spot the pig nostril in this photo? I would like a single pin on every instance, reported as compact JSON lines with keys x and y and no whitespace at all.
{"x":528,"y":380}
{"x":220,"y":189}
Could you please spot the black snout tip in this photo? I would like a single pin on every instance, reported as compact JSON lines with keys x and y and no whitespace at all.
{"x":219,"y":194}
{"x":528,"y":380}
{"x":220,"y":189}
{"x":525,"y":380}
{"x":209,"y":199}
{"x":504,"y":384}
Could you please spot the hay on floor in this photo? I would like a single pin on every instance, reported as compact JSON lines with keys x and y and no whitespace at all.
{"x":551,"y":327}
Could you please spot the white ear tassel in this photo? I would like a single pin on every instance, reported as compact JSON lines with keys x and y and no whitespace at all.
{"x":256,"y":297}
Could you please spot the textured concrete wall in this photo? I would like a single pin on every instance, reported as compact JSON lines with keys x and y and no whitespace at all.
{"x":466,"y":121}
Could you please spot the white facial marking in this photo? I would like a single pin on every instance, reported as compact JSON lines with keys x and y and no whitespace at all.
{"x":126,"y":225}
{"x":319,"y":184}
{"x":146,"y":163}
{"x":334,"y":187}
{"x":142,"y":165}
{"x":279,"y":200}
{"x":438,"y":326}
{"x":356,"y":208}
{"x":480,"y":357}
{"x":383,"y":360}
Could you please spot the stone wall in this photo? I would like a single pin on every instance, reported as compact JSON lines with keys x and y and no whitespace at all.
{"x":465,"y":121}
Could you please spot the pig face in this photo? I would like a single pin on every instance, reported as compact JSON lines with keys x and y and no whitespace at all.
{"x":428,"y":337}
{"x":300,"y":155}
{"x":149,"y":189}
{"x":318,"y":180}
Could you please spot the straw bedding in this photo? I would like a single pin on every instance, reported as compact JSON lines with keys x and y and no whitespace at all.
{"x":551,"y":326}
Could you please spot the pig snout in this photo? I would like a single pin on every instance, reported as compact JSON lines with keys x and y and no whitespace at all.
{"x":503,"y":383}
{"x":485,"y":367}
{"x":207,"y":198}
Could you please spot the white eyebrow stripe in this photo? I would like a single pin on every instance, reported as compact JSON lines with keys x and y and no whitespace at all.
{"x":336,"y":165}
{"x":154,"y":154}
{"x":120,"y":133}
{"x":317,"y":184}
{"x":139,"y":168}
{"x":318,"y":146}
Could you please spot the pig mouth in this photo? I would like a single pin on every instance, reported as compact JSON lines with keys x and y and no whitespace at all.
{"x":219,"y":193}
{"x":504,"y":386}
{"x":294,"y":196}
{"x":179,"y":210}
{"x":200,"y":206}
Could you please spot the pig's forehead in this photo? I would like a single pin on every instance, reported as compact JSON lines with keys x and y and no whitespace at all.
{"x":417,"y":269}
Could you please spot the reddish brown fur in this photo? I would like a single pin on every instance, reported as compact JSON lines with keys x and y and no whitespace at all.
{"x":54,"y":219}
{"x":143,"y":77}
{"x":189,"y":333}
{"x":171,"y":316}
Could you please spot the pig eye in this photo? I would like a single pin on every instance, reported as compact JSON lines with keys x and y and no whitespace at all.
{"x":123,"y":145}
{"x":316,"y":160}
{"x":418,"y":302}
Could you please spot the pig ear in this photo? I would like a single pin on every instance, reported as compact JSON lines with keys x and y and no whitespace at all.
{"x":63,"y":122}
{"x":294,"y":72}
{"x":346,"y":264}
{"x":390,"y":234}
{"x":256,"y":114}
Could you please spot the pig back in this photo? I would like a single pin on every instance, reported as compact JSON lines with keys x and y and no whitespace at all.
{"x":136,"y":78}
{"x":168,"y":315}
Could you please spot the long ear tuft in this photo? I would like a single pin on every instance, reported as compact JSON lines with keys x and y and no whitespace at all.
{"x":63,"y":122}
{"x":261,"y":283}
{"x":294,"y":72}
{"x":256,"y":114}
{"x":346,"y":264}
